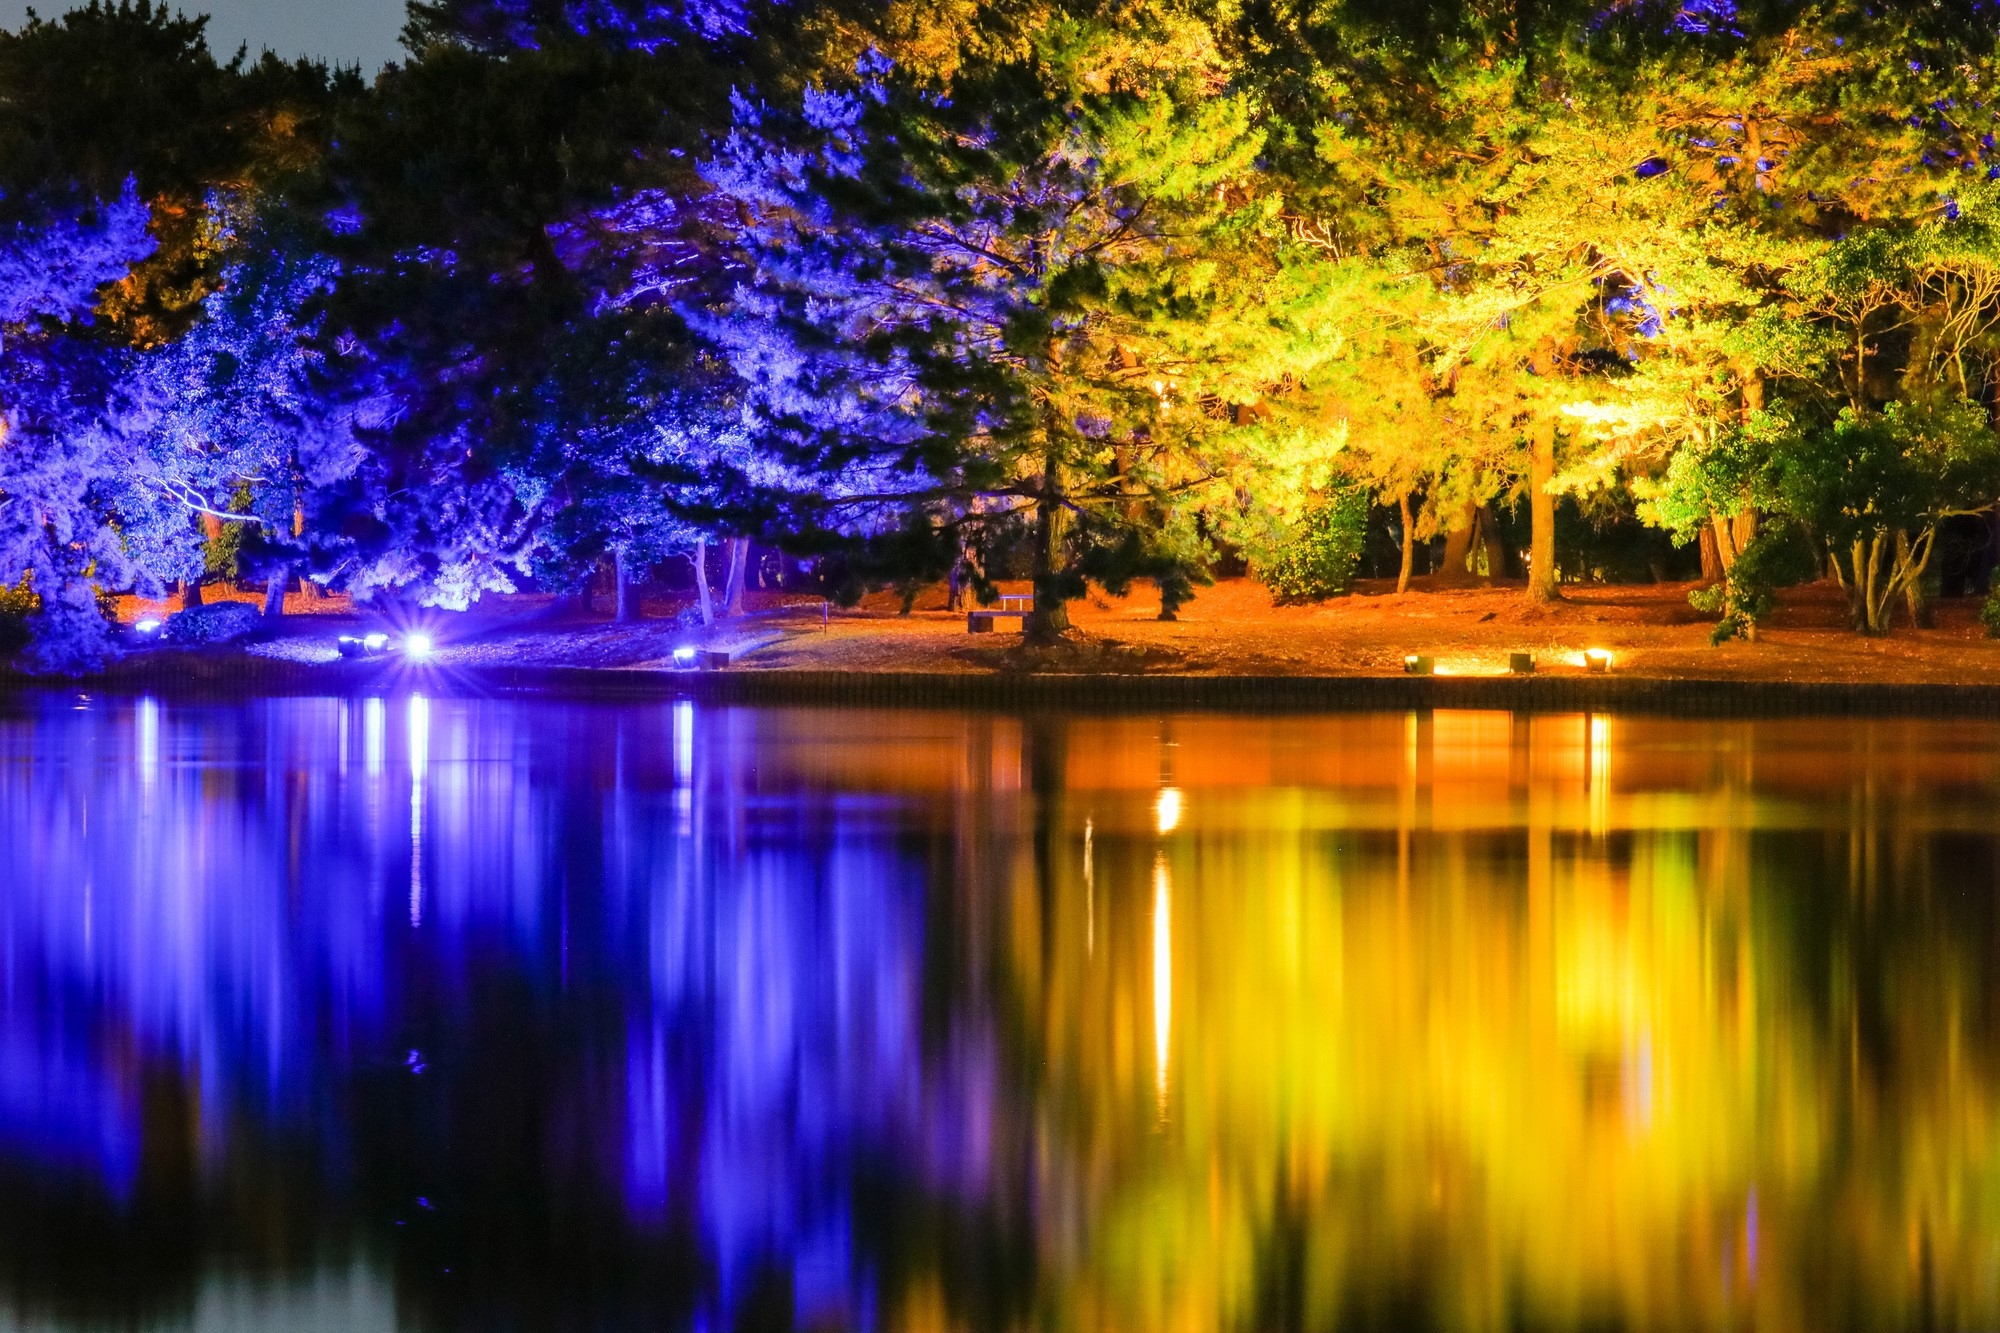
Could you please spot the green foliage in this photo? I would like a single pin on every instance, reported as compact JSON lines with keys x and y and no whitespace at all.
{"x":1316,"y":559}
{"x":1874,"y":487}
{"x":1989,"y":610}
{"x":17,"y":604}
{"x":1778,"y":557}
{"x":1712,"y":479}
{"x":1710,"y":600}
{"x":221,"y":557}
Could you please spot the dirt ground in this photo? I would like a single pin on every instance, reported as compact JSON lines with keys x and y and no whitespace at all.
{"x":1229,"y":629}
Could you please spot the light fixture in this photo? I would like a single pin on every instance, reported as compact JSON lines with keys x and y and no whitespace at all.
{"x":1167,"y":810}
{"x":146,"y":626}
{"x":416,"y":647}
{"x":1420,"y":664}
{"x":1521,"y":664}
{"x":374,"y":643}
{"x":1597,"y":659}
{"x":683,"y":656}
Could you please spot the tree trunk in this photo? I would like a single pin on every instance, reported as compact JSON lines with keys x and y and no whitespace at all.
{"x":700,"y":557}
{"x":1456,"y":568}
{"x":1753,"y":392}
{"x":1725,"y":541}
{"x":1409,"y":544}
{"x":732,"y":588}
{"x":190,"y":594}
{"x":1869,"y":586}
{"x":1711,"y":555}
{"x":274,"y":592}
{"x":625,"y":597}
{"x":1743,"y":529}
{"x":1542,"y":515}
{"x":586,"y":594}
{"x":1050,"y":618}
{"x":1916,"y":590}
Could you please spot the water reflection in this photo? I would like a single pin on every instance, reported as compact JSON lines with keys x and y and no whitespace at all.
{"x":437,"y":1013}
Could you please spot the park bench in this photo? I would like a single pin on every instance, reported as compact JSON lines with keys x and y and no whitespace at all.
{"x":981,"y":622}
{"x":1018,"y":605}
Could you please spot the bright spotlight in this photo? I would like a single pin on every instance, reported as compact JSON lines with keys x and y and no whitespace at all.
{"x":417,"y":646}
{"x":683,"y":656}
{"x":374,"y":643}
{"x":147,"y":626}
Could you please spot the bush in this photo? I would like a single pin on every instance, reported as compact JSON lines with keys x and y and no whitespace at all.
{"x":1318,"y":556}
{"x":1778,"y":557}
{"x":1712,"y":600}
{"x":1989,"y":611}
{"x":16,"y":605}
{"x":217,"y":623}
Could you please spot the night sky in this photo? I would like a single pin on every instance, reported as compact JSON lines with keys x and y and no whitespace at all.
{"x":341,"y":31}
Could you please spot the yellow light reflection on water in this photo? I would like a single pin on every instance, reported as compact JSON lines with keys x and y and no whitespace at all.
{"x":1163,"y":975}
{"x":1531,"y":1020}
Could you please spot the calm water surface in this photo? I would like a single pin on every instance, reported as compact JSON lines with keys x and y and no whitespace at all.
{"x":457,"y":1014}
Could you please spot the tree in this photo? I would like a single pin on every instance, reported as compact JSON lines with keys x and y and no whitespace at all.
{"x":509,"y":227}
{"x":66,"y":466}
{"x":1001,"y":298}
{"x":234,"y":408}
{"x":1875,"y":487}
{"x":122,"y":144}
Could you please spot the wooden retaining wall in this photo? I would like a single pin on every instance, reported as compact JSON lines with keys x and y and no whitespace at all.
{"x":229,"y":676}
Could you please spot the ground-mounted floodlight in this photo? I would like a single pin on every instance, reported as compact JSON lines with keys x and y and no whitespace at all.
{"x":1420,"y":664}
{"x":1521,"y":664}
{"x":149,"y":626}
{"x":417,"y":646}
{"x":684,"y":656}
{"x":1597,"y":659}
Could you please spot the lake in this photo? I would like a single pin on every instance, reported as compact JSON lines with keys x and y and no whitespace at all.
{"x":445,"y":1013}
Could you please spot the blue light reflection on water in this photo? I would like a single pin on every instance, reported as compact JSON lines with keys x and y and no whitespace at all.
{"x":227,"y":894}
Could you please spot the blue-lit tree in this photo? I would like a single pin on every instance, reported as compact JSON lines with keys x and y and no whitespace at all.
{"x":1001,"y":300}
{"x":234,"y":407}
{"x":67,"y":466}
{"x":505,"y":305}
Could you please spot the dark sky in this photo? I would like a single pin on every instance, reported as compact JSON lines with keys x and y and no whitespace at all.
{"x":341,"y":31}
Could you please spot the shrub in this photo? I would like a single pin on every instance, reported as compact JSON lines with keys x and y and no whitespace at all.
{"x":16,"y":605}
{"x":1712,"y":600}
{"x":1318,"y":555}
{"x":219,"y":622}
{"x":1777,"y":558}
{"x":1989,"y":611}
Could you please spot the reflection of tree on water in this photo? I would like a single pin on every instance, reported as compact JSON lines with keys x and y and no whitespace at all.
{"x":1602,"y":1035}
{"x":753,"y":1018}
{"x":609,"y":1066}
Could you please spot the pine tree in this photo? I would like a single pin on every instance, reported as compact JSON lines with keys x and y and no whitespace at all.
{"x":999,"y":299}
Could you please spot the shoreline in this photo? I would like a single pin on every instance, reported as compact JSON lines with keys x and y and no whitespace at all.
{"x":241,"y":675}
